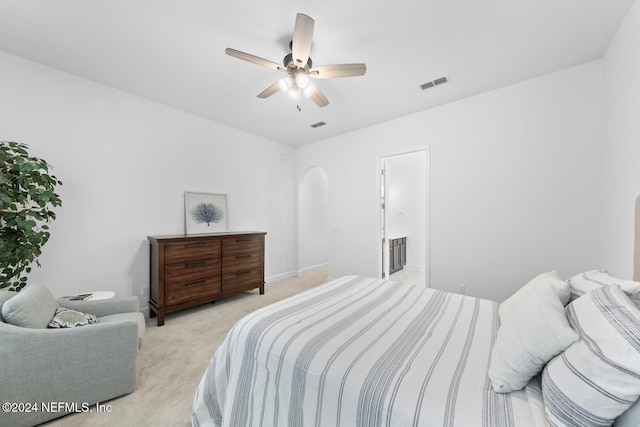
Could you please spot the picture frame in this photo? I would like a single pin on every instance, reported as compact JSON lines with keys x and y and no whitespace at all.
{"x":205,"y":213}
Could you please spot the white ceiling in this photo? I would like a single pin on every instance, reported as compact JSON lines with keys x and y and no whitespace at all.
{"x":173,"y":52}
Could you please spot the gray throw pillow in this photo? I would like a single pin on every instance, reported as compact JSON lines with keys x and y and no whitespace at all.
{"x":33,"y":307}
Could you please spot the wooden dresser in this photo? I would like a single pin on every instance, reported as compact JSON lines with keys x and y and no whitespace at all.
{"x":192,"y":270}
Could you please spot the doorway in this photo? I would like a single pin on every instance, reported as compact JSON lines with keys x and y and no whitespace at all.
{"x":403,"y":199}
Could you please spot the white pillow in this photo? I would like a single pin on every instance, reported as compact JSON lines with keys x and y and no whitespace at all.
{"x":525,"y":343}
{"x":510,"y":305}
{"x":594,"y":279}
{"x":598,"y":377}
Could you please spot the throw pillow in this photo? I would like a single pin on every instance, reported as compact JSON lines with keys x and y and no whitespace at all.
{"x":67,"y":318}
{"x":525,"y":343}
{"x":594,"y":279}
{"x":32,"y":307}
{"x":598,"y":377}
{"x":511,"y":304}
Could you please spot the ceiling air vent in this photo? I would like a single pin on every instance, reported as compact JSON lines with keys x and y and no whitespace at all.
{"x":317,"y":125}
{"x":434,"y":83}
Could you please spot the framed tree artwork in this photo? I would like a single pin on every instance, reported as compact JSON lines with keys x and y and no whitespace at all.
{"x":205,"y":213}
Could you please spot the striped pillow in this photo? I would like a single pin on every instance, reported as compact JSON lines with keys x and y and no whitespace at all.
{"x":585,"y":282}
{"x":598,"y":377}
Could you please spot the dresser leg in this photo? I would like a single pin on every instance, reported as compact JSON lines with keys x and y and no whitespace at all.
{"x":160,"y":318}
{"x":262,"y":289}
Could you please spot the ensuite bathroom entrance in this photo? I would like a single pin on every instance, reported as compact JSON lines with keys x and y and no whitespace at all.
{"x":403,"y":217}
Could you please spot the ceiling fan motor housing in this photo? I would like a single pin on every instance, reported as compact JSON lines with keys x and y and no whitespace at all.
{"x":289,"y":63}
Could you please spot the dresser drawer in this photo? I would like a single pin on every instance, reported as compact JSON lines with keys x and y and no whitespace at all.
{"x":188,"y":291}
{"x":191,"y":270}
{"x":243,"y":244}
{"x":182,"y":251}
{"x":232,"y":264}
{"x":243,"y":279}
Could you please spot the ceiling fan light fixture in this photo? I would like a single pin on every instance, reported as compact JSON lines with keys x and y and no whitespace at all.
{"x":285,"y":83}
{"x":302,"y":80}
{"x":299,"y":66}
{"x":293,"y":92}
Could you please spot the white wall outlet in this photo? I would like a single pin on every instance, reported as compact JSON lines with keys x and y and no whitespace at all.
{"x":144,"y":291}
{"x":462,"y":289}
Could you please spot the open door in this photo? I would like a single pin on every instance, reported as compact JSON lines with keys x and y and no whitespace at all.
{"x":403,"y":201}
{"x":383,"y":216}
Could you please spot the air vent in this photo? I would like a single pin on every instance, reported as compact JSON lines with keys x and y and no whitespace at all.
{"x":434,"y":83}
{"x":317,"y":125}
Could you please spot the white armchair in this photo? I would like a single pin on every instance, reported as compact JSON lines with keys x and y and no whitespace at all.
{"x":79,"y":366}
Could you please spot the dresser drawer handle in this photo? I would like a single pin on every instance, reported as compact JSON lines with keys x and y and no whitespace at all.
{"x":243,"y":256}
{"x":243,"y":272}
{"x":242,"y":240}
{"x":194,"y":245}
{"x":197,"y":282}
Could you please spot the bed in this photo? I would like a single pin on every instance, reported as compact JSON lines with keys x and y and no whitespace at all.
{"x":363,"y":351}
{"x":360,"y":351}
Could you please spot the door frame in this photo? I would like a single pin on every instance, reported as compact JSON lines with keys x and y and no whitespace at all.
{"x":380,"y":212}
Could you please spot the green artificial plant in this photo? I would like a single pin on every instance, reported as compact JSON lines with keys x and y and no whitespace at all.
{"x":27,"y":197}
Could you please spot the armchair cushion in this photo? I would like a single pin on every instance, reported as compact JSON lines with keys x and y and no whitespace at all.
{"x":33,"y":307}
{"x":67,"y":318}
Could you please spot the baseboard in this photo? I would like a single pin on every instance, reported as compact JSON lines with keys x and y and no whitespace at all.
{"x":416,"y":268}
{"x":312,"y":268}
{"x":280,"y":277}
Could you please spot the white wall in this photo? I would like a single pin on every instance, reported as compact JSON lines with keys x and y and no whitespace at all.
{"x":622,"y":154}
{"x":517,"y":177}
{"x":125,"y":163}
{"x":313,"y":228}
{"x":513,"y":176}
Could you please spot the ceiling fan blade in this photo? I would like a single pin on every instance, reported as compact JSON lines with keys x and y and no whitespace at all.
{"x":338,"y":70}
{"x":270,"y":90}
{"x":254,"y":59}
{"x":317,"y":96}
{"x":302,"y":38}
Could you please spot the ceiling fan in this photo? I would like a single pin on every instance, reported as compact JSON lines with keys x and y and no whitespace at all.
{"x":299,"y":67}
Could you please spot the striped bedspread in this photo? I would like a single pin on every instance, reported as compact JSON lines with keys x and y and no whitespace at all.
{"x":362,"y":352}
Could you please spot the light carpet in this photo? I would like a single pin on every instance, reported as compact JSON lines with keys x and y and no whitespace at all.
{"x":174,"y":357}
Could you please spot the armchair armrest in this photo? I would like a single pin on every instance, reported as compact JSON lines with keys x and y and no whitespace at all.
{"x":103,"y":307}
